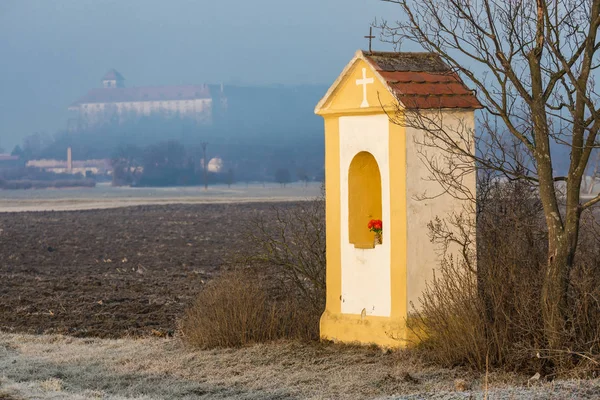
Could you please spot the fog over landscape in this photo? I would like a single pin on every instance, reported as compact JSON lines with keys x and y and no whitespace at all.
{"x":265,"y":65}
{"x":242,"y":79}
{"x":53,"y":52}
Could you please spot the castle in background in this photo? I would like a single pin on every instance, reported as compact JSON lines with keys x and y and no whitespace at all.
{"x":114,"y":102}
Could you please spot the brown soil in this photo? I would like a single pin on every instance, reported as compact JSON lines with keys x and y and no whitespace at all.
{"x":115,"y":272}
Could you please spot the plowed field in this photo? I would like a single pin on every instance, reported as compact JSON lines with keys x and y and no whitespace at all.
{"x":113,"y":272}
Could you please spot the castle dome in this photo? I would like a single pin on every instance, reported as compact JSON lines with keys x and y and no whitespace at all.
{"x":113,"y":79}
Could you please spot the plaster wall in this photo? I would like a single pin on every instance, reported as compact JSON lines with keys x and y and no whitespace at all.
{"x":97,"y":112}
{"x":348,"y":95}
{"x":365,"y":275}
{"x":423,"y":257}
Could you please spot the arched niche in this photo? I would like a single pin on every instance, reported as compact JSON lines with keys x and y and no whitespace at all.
{"x":364,"y":198}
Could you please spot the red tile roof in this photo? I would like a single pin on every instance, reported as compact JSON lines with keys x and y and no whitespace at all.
{"x":156,"y":93}
{"x":422,"y":80}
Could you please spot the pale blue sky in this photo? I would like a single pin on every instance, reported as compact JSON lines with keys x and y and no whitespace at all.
{"x":53,"y":51}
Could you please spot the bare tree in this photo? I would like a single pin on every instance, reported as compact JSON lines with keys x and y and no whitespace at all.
{"x":282,"y":176}
{"x":204,"y":165}
{"x":126,"y":163}
{"x":230,"y":177}
{"x":294,"y":241}
{"x":303,"y":176}
{"x":533,"y":65}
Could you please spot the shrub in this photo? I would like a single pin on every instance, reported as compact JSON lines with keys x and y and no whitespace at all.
{"x":290,"y":241}
{"x":281,"y":296}
{"x":283,"y":176}
{"x":491,"y":316}
{"x":236,"y":309}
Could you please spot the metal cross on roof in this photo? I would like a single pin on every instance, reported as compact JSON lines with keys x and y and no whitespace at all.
{"x":370,"y":37}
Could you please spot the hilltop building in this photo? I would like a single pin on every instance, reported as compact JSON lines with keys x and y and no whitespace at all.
{"x":116,"y":102}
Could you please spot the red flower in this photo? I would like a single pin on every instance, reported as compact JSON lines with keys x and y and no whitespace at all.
{"x":375,"y":225}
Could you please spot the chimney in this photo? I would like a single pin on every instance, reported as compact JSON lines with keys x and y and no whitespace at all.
{"x":69,"y":161}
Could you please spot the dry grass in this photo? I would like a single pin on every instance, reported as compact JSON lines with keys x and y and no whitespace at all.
{"x":165,"y":369}
{"x":59,"y":367}
{"x":237,"y":309}
{"x":282,"y":295}
{"x":492,"y":315}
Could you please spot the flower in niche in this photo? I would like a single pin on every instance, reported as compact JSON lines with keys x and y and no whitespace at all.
{"x":375,"y":225}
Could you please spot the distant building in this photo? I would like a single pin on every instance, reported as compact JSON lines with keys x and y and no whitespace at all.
{"x":68,"y":166}
{"x":10,"y":161}
{"x":96,"y":167}
{"x":115,"y":102}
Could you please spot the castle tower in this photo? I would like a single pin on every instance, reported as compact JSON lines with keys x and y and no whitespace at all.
{"x":113,"y":79}
{"x":373,"y":172}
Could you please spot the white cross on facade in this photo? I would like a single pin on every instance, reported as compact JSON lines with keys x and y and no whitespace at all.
{"x":364,"y":82}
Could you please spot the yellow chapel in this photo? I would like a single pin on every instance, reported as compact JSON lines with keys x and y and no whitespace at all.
{"x":373,"y":172}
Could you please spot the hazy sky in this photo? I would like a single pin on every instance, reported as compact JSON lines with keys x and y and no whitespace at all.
{"x":53,"y":51}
